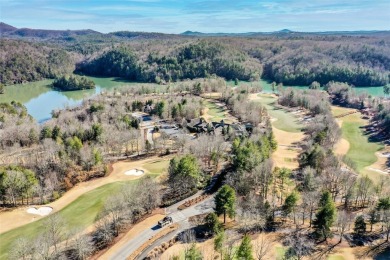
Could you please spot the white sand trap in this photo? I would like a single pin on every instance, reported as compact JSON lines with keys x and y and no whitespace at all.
{"x":134,"y":172}
{"x":42,"y":211}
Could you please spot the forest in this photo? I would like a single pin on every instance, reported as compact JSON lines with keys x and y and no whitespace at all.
{"x":205,"y":141}
{"x":319,"y":201}
{"x":153,"y":58}
{"x":72,"y":82}
{"x":27,"y":61}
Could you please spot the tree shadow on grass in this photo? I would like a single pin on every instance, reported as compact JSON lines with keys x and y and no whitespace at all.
{"x":378,"y":251}
{"x":383,"y":255}
{"x":323,"y":253}
{"x":375,"y":135}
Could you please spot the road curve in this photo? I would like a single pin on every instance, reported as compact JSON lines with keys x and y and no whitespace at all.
{"x":180,"y":217}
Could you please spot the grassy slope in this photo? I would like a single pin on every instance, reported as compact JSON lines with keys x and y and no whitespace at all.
{"x":361,"y":151}
{"x":78,"y":215}
{"x":335,"y":257}
{"x":216,"y":113}
{"x":285,"y":120}
{"x":157,"y":167}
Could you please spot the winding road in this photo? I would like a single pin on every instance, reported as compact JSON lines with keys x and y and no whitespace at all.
{"x":180,"y":217}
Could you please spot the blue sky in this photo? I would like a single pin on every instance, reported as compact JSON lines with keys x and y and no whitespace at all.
{"x":176,"y":16}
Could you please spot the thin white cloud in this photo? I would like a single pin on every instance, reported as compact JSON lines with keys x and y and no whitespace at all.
{"x":200,"y":15}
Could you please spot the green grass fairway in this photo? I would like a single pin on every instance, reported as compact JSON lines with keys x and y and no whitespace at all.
{"x":78,"y":215}
{"x":285,"y":120}
{"x":336,"y":111}
{"x":217,"y":113}
{"x":280,"y":252}
{"x":361,"y":151}
{"x":157,"y":166}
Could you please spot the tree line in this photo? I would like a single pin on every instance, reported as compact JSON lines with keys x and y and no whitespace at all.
{"x":290,"y":61}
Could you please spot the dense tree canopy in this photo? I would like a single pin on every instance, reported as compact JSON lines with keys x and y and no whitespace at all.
{"x":195,"y":60}
{"x":23,"y":61}
{"x":291,"y":61}
{"x":73,"y":82}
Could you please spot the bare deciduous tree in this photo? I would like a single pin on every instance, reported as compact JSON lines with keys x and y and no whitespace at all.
{"x":344,"y":220}
{"x":299,"y":246}
{"x":82,"y":246}
{"x":262,"y":247}
{"x":22,"y":248}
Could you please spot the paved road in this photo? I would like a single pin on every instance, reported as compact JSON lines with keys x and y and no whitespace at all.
{"x":183,"y":225}
{"x":180,"y":217}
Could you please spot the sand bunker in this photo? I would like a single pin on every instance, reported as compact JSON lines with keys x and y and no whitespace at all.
{"x":134,"y":172}
{"x":42,"y":211}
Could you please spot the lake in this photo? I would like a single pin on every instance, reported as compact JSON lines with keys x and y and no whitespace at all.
{"x":40,"y":99}
{"x":373,"y":91}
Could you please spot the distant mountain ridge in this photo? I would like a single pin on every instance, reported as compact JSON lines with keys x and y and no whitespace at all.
{"x":191,"y":33}
{"x":282,"y":32}
{"x":9,"y":31}
{"x":6,"y":28}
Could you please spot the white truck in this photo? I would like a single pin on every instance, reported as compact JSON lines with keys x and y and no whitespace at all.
{"x":165,"y":221}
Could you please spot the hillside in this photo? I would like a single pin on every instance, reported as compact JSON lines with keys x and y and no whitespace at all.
{"x":4,"y":28}
{"x":287,"y":33}
{"x":360,"y":58}
{"x":22,"y":61}
{"x":291,"y":62}
{"x":9,"y":31}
